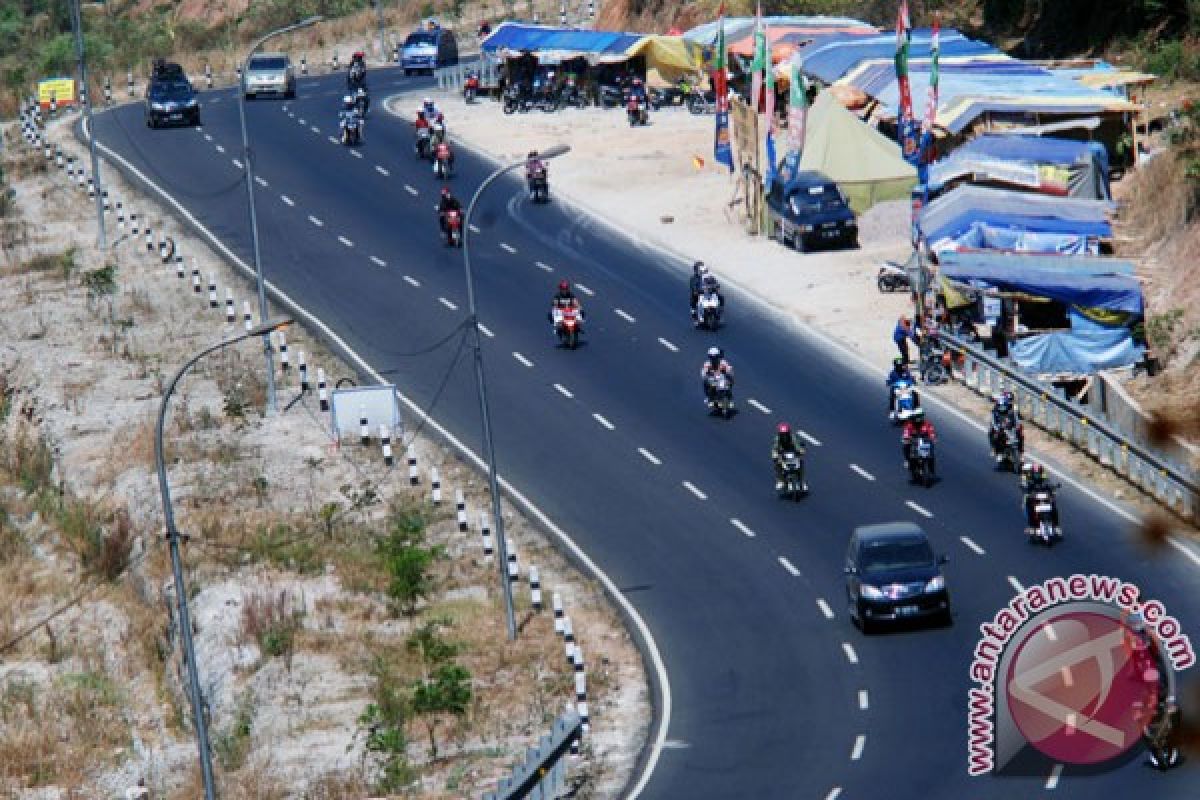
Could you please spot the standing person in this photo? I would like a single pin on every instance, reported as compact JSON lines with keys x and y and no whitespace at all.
{"x":900,"y":335}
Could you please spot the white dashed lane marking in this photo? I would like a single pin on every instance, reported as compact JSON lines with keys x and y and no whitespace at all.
{"x":668,"y":345}
{"x":808,"y":437}
{"x":208,"y":137}
{"x":237,"y":163}
{"x":410,"y":190}
{"x":825,"y":609}
{"x":302,"y":121}
{"x":848,"y":649}
{"x":625,"y":316}
{"x":345,"y":241}
{"x":220,"y":149}
{"x":585,"y":290}
{"x":356,"y":154}
{"x":564,"y":391}
{"x":522,"y":359}
{"x":741,"y":526}
{"x":286,"y":199}
{"x":860,"y":742}
{"x":603,"y":421}
{"x":646,"y":454}
{"x":790,"y":567}
{"x":1055,"y":774}
{"x":409,"y":279}
{"x":377,"y":261}
{"x":544,"y":267}
{"x":1016,"y":584}
{"x":485,"y":330}
{"x":315,"y":221}
{"x":863,"y":700}
{"x":447,"y":304}
{"x":474,"y":228}
{"x":862,"y":472}
{"x":332,"y":140}
{"x":691,"y":488}
{"x":979,"y":551}
{"x":259,"y":180}
{"x":508,"y":248}
{"x":922,"y":511}
{"x":382,"y":171}
{"x":758,"y":405}
{"x":314,"y":129}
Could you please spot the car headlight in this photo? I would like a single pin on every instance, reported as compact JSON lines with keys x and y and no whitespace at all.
{"x":158,"y":106}
{"x":936,"y":584}
{"x":870,"y":592}
{"x":850,"y":223}
{"x":191,"y":103}
{"x":804,"y":228}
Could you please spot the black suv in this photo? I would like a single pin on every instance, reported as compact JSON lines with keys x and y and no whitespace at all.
{"x":170,"y":97}
{"x":892,"y":575}
{"x":811,"y":210}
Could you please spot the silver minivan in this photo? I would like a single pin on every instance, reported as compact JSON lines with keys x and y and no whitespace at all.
{"x":269,"y":73}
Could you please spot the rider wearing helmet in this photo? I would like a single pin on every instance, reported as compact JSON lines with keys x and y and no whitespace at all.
{"x":696,"y":283}
{"x":714,"y":363}
{"x":900,"y":372}
{"x":1033,"y":480}
{"x":430,"y":111}
{"x":563,"y":296}
{"x":785,"y":440}
{"x":349,"y":114}
{"x":357,"y":75}
{"x":533,"y":165}
{"x":1005,"y":415}
{"x":917,"y":425}
{"x":446,"y":203}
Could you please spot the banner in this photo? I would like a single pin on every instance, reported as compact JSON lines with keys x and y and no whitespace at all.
{"x":722,"y":150}
{"x":61,"y":89}
{"x":907,"y":128}
{"x":797,"y":111}
{"x":761,"y":62}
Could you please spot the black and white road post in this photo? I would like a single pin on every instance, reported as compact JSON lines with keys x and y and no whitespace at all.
{"x":568,"y":640}
{"x":591,"y":9}
{"x":230,"y":309}
{"x":247,"y":315}
{"x":208,"y":74}
{"x":129,"y":82}
{"x":70,"y":169}
{"x":53,"y":104}
{"x":108,"y":101}
{"x":535,"y":588}
{"x":162,"y":248}
{"x":364,"y":428}
{"x":149,"y":238}
{"x":335,"y":61}
{"x":485,"y":532}
{"x":414,"y":477}
{"x":577,"y":658}
{"x":514,"y":571}
{"x":120,"y":218}
{"x":385,"y":441}
{"x":562,"y":14}
{"x":460,"y":510}
{"x":91,"y":189}
{"x":304,"y":65}
{"x":302,"y":368}
{"x":213,"y":302}
{"x":197,"y":284}
{"x":557,"y":604}
{"x":435,"y":486}
{"x":322,"y":392}
{"x":285,"y":363}
{"x":133,"y":224}
{"x":58,"y":157}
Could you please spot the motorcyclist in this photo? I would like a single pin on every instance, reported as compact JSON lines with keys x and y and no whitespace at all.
{"x":1004,"y":415}
{"x":563,"y":298}
{"x":357,"y":74}
{"x":362,"y":98}
{"x":900,"y":372}
{"x":1033,"y":480}
{"x":532,"y":165}
{"x":349,"y":114}
{"x":1159,"y":711}
{"x":430,"y":111}
{"x":442,"y":151}
{"x":696,"y":284}
{"x":916,"y":425}
{"x":785,"y":441}
{"x":714,"y":364}
{"x":636,"y":89}
{"x":447,"y":203}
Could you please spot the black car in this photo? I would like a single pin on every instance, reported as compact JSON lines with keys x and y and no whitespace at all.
{"x":892,"y":575}
{"x":171,"y":101}
{"x":810,"y":210}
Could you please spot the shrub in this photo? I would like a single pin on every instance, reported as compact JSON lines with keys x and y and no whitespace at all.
{"x":447,"y":692}
{"x":383,"y":724}
{"x":406,"y":560}
{"x":271,"y":621}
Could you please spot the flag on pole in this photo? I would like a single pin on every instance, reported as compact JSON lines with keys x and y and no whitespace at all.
{"x":769,"y":174}
{"x":932,"y":100}
{"x":906,"y":126}
{"x":722,"y":147}
{"x":761,"y":62}
{"x":797,"y":110}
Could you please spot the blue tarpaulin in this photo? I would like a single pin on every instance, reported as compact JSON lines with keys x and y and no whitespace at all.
{"x":534,"y":38}
{"x":957,"y":212}
{"x":1076,"y":265}
{"x":981,"y":236}
{"x":829,"y":61}
{"x":1078,"y":351}
{"x":1108,"y":292}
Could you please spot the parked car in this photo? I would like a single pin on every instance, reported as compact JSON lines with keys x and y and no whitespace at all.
{"x":269,"y":73}
{"x":810,"y":211}
{"x":428,"y":49}
{"x":893,"y":575}
{"x":171,"y":101}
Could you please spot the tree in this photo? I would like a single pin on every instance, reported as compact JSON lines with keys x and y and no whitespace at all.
{"x":447,"y":692}
{"x":407,"y":561}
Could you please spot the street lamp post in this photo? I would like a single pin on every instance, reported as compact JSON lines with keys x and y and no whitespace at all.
{"x":181,"y":598}
{"x":481,"y":386}
{"x":248,"y":164}
{"x":86,"y":102}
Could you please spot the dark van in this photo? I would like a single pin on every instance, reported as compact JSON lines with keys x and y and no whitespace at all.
{"x":428,"y":49}
{"x":811,"y":211}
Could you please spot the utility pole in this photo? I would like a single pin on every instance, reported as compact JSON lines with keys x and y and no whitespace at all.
{"x":383,"y":51}
{"x":77,"y":24}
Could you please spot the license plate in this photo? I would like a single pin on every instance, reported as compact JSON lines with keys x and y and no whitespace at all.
{"x":175,"y":116}
{"x":906,"y":611}
{"x":1043,"y":508}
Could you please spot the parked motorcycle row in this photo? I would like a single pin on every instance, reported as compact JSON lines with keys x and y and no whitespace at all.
{"x":636,"y":100}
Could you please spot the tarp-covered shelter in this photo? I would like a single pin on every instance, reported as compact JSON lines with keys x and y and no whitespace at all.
{"x":1042,"y":164}
{"x":738,"y":27}
{"x":865,"y":164}
{"x":514,"y":39}
{"x":828,"y":61}
{"x":671,"y":57}
{"x":975,"y":217}
{"x":1047,"y":262}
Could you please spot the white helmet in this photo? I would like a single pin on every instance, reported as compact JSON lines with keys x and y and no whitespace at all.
{"x":427,"y":102}
{"x":348,"y":101}
{"x":714,"y":353}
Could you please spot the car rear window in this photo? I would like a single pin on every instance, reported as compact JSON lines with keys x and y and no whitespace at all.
{"x":273,"y":62}
{"x":893,"y":554}
{"x":825,"y":197}
{"x":173,"y":89}
{"x":420,"y":38}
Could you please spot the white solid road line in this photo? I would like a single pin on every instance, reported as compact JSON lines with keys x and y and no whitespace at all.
{"x":259,"y":180}
{"x":220,"y":149}
{"x":741,"y":526}
{"x":522,"y":359}
{"x":1055,"y":774}
{"x":979,"y":551}
{"x":808,"y":437}
{"x":505,"y":246}
{"x":848,"y":649}
{"x":862,"y":472}
{"x":692,"y":488}
{"x":286,"y":199}
{"x":646,"y":454}
{"x":410,"y":190}
{"x":758,"y":405}
{"x":237,"y":163}
{"x":864,"y":701}
{"x":473,"y":227}
{"x":345,"y":241}
{"x":623,"y":315}
{"x":585,"y":290}
{"x":825,"y":609}
{"x":543,"y":266}
{"x":860,"y":742}
{"x":599,"y":418}
{"x":922,"y":511}
{"x":447,"y":304}
{"x":485,"y":330}
{"x":315,"y":221}
{"x":1016,"y":584}
{"x":789,"y":566}
{"x":668,"y":345}
{"x":379,"y":262}
{"x":409,"y":279}
{"x":564,"y":391}
{"x":382,"y":171}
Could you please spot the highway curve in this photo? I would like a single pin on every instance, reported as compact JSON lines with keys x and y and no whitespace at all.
{"x":775,"y":693}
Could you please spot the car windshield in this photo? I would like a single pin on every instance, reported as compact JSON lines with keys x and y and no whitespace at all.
{"x":420,"y":38}
{"x":817,"y":198}
{"x":176,"y":90}
{"x":894,"y":554}
{"x":272,"y":63}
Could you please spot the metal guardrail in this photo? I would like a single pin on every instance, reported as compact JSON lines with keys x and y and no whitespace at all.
{"x":542,"y":776}
{"x":1171,"y":484}
{"x":451,"y":78}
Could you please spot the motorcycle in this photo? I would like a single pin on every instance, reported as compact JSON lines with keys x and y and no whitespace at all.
{"x":720,"y":402}
{"x":699,"y":102}
{"x":437,"y":133}
{"x":357,"y":77}
{"x":635,"y":111}
{"x":470,"y":88}
{"x":569,"y":95}
{"x":708,"y":311}
{"x":568,"y":324}
{"x":1044,"y":507}
{"x":546,"y":100}
{"x":891,"y":277}
{"x":794,"y":485}
{"x":442,"y":161}
{"x":905,"y":401}
{"x":1008,"y":457}
{"x":351,"y":125}
{"x":453,"y":229}
{"x":920,"y":461}
{"x":1159,"y":734}
{"x":935,"y":362}
{"x":362,"y":102}
{"x":512,"y":99}
{"x":422,"y":146}
{"x":539,"y":186}
{"x":611,"y":96}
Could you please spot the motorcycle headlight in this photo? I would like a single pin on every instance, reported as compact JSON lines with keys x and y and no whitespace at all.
{"x":870,"y":592}
{"x":936,"y":584}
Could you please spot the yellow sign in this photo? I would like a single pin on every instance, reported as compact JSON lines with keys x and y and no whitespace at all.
{"x":61,"y":89}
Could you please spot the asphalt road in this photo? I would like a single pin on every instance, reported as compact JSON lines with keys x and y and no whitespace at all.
{"x":776,"y":694}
